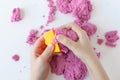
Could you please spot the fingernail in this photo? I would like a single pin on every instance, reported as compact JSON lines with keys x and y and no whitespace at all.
{"x":50,"y":45}
{"x":58,"y":37}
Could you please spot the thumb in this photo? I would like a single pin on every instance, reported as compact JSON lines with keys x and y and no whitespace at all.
{"x":66,"y":41}
{"x":47,"y":52}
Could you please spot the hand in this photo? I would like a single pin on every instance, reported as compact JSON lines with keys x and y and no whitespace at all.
{"x":82,"y":48}
{"x":40,"y":60}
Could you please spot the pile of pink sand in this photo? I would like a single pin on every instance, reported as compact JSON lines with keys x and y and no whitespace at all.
{"x":111,"y":38}
{"x":16,"y":15}
{"x":32,"y":37}
{"x":80,"y":9}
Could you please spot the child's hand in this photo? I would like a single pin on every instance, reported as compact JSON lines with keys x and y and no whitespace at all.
{"x":40,"y":64}
{"x":82,"y":48}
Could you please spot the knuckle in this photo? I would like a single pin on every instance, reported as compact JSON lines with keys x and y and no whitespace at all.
{"x":74,"y":46}
{"x":48,"y":50}
{"x":84,"y":32}
{"x":66,"y":41}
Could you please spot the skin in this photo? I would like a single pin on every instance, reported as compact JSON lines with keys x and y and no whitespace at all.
{"x":82,"y":49}
{"x":40,"y":64}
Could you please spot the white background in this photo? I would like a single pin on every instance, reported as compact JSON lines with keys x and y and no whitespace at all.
{"x":106,"y":15}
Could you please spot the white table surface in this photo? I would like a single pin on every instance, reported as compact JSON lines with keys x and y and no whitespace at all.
{"x":106,"y":15}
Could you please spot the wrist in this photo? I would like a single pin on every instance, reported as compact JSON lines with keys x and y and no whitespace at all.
{"x":91,"y":59}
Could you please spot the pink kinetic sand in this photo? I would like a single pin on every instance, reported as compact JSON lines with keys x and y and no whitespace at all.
{"x":110,"y":44}
{"x":41,"y":27}
{"x":100,"y":41}
{"x":80,"y":9}
{"x":16,"y":57}
{"x":52,"y":11}
{"x":89,"y":28}
{"x":111,"y":38}
{"x":16,"y":15}
{"x":68,"y":64}
{"x":32,"y":37}
{"x":43,"y":16}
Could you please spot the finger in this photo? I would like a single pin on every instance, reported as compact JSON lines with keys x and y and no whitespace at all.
{"x":47,"y":53}
{"x":66,"y":41}
{"x":36,"y":48}
{"x":74,"y":27}
{"x":66,"y":26}
{"x":40,"y":47}
{"x":84,"y":38}
{"x":85,"y":34}
{"x":39,"y":40}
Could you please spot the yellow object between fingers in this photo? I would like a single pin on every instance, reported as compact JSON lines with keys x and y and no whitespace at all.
{"x":49,"y":36}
